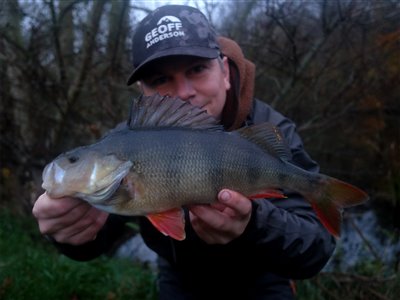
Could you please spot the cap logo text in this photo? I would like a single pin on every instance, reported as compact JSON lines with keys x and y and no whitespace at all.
{"x":167,"y":27}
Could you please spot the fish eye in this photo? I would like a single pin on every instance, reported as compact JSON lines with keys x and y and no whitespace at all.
{"x":73,"y":159}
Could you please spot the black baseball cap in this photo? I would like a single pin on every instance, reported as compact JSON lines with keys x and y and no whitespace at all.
{"x":172,"y":30}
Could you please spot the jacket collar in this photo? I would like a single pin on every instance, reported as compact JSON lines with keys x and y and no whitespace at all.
{"x":240,"y":95}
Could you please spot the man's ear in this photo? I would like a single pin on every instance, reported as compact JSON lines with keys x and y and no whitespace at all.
{"x":225,"y":64}
{"x":139,"y":85}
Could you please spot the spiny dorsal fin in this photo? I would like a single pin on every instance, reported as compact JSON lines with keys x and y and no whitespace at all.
{"x":165,"y":111}
{"x":268,"y":137}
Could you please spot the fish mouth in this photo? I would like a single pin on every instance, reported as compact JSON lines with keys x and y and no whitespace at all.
{"x":105,"y":192}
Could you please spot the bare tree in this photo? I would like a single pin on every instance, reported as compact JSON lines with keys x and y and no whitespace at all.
{"x":318,"y":62}
{"x":58,"y":88}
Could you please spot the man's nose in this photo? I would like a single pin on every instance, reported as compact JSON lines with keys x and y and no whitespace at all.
{"x":184,"y":89}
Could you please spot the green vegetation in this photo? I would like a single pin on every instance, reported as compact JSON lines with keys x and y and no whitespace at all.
{"x":31,"y":268}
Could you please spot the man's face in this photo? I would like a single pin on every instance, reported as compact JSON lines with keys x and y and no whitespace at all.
{"x":202,"y":82}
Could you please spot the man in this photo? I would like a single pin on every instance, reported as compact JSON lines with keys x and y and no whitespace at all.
{"x":235,"y":248}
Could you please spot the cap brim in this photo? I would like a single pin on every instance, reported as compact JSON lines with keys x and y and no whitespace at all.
{"x":192,"y":51}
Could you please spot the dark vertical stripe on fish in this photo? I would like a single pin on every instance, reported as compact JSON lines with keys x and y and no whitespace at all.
{"x":217,"y":174}
{"x":175,"y":172}
{"x":253,"y":170}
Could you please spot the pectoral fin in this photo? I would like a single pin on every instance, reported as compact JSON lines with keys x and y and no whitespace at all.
{"x":170,"y":223}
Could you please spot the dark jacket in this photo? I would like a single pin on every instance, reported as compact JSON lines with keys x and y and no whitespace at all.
{"x":283,"y":240}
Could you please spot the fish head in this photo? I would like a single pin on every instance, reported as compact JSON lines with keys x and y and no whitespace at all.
{"x":84,"y":173}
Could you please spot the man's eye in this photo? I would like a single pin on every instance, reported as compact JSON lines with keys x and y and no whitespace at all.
{"x":197,"y":69}
{"x":158,"y":81}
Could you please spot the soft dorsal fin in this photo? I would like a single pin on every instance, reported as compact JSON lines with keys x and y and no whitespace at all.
{"x":165,"y":111}
{"x":268,"y":137}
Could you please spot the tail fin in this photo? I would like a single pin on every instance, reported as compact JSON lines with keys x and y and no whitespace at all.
{"x":331,"y":198}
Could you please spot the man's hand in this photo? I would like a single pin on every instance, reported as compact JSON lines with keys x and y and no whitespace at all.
{"x":68,"y":220}
{"x":221,"y":222}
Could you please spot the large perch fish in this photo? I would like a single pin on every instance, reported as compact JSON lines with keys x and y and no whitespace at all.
{"x":175,"y":154}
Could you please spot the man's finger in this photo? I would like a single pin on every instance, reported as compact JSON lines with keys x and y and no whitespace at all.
{"x":46,"y":207}
{"x":235,"y":201}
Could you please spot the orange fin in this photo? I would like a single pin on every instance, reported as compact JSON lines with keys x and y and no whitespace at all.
{"x":333,"y":196}
{"x":171,"y":223}
{"x":268,"y":194}
{"x":330,"y":216}
{"x":293,"y":286}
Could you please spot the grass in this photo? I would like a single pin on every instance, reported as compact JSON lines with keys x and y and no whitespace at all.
{"x":349,"y":286}
{"x":31,"y":268}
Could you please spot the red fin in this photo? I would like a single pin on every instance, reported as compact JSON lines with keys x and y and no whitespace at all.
{"x":330,"y":217}
{"x":293,"y":286}
{"x":268,"y":194}
{"x":171,"y":223}
{"x":334,"y":195}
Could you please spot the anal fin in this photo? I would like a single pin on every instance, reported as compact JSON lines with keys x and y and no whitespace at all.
{"x":170,"y":223}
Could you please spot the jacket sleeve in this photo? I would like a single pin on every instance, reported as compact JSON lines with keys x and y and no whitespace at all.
{"x":287,"y":232}
{"x":106,"y":241}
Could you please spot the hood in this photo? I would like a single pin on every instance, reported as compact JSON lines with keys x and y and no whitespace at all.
{"x":242,"y":75}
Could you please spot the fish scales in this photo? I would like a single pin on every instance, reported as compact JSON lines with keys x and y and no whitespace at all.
{"x":222,"y":163}
{"x":180,"y":164}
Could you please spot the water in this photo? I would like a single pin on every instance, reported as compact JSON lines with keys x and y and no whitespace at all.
{"x":136,"y":249}
{"x":362,"y":240}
